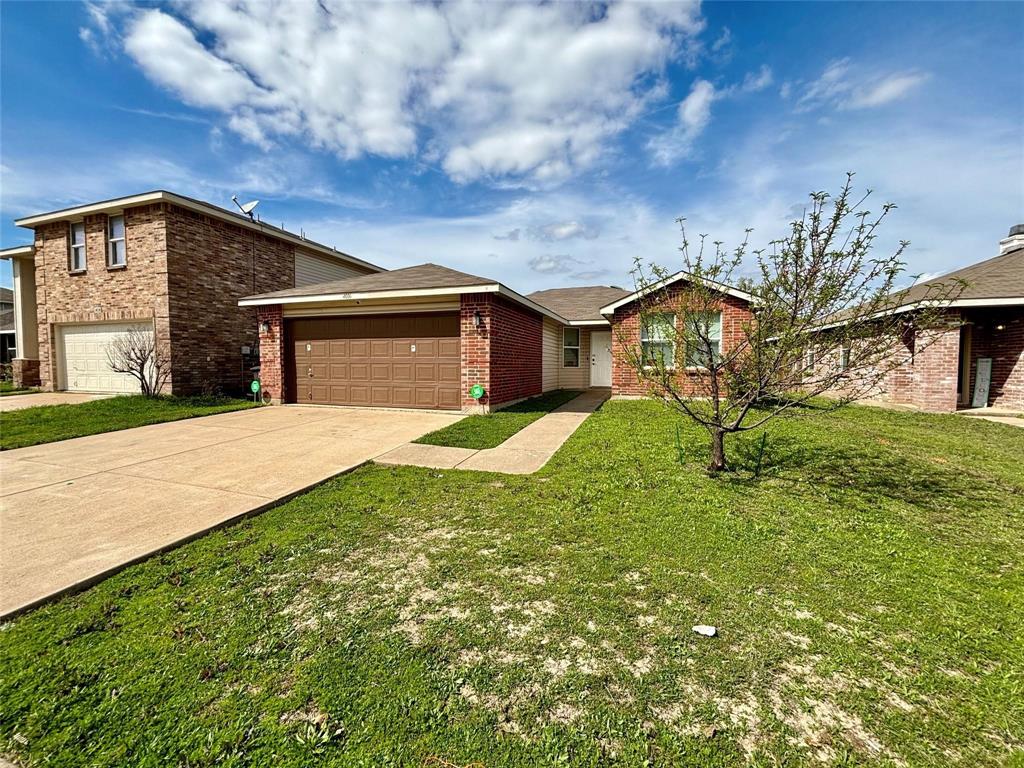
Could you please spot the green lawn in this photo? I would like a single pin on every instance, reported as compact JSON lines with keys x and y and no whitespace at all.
{"x":48,"y":423}
{"x":492,"y":429}
{"x":868,"y":590}
{"x":8,"y":388}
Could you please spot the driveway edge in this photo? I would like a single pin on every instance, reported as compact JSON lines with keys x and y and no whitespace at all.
{"x":85,"y":583}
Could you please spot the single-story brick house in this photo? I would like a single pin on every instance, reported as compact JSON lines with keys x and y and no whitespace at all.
{"x":162,"y":262}
{"x":983,"y":328}
{"x":423,"y":336}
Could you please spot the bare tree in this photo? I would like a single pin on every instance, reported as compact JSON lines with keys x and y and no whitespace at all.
{"x":824,"y":321}
{"x":138,"y":353}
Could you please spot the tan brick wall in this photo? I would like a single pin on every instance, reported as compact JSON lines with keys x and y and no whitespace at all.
{"x":136,"y":292}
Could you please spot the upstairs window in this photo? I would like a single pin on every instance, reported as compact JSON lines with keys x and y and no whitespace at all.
{"x":657,"y":340}
{"x":704,"y":331}
{"x":76,"y":258}
{"x":810,"y":359}
{"x":570,"y":347}
{"x":115,"y":242}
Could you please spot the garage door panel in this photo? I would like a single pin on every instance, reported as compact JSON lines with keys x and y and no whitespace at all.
{"x":81,"y":357}
{"x":407,"y":361}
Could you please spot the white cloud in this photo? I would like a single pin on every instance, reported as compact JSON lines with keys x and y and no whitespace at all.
{"x":694,"y":114}
{"x":502,"y":91}
{"x":890,"y":88}
{"x":843,"y":86}
{"x":549,"y":264}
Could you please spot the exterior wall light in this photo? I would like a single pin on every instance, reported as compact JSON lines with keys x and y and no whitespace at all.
{"x":1000,"y":327}
{"x":477,"y":320}
{"x":264,"y":326}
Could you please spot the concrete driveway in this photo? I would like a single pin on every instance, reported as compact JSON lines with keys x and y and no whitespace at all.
{"x":31,"y":400}
{"x":73,"y":511}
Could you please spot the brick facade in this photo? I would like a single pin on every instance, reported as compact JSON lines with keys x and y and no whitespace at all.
{"x":211,"y":264}
{"x":999,"y":333}
{"x":137,"y":291}
{"x":503,"y":354}
{"x":626,"y":336}
{"x":24,"y":372}
{"x":272,"y":354}
{"x":184,"y":272}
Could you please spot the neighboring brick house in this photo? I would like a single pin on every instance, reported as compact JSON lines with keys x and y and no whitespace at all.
{"x":423,"y":336}
{"x":8,"y":348}
{"x":984,"y":326}
{"x":162,"y":262}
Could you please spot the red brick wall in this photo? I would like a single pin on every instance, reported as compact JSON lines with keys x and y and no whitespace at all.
{"x":1005,"y":346}
{"x":626,"y":336}
{"x":503,"y":354}
{"x":137,"y":291}
{"x":928,"y":372}
{"x":212,"y":264}
{"x":272,"y":353}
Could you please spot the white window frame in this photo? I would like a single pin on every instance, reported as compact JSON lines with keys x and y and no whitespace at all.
{"x":646,"y":339}
{"x":810,"y":359}
{"x":74,"y":248}
{"x":718,"y":351}
{"x":844,"y":357}
{"x":113,"y":241}
{"x":577,"y":347}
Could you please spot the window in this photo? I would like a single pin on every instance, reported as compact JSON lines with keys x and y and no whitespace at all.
{"x":115,"y":241}
{"x":809,"y":360}
{"x":704,"y":329}
{"x":570,"y":347}
{"x":657,"y":340}
{"x":844,"y":357}
{"x":77,"y":255}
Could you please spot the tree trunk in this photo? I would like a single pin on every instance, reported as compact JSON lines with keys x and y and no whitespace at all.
{"x":717,"y":463}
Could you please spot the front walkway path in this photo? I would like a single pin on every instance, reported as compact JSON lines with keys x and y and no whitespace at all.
{"x":522,"y":454}
{"x":1010,"y":417}
{"x":75,"y":511}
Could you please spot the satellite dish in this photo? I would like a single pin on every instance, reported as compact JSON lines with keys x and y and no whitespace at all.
{"x":246,"y":208}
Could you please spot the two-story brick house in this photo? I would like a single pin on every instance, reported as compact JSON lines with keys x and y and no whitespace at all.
{"x":164,"y":262}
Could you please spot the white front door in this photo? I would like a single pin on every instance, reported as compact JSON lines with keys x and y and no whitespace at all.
{"x":601,"y":359}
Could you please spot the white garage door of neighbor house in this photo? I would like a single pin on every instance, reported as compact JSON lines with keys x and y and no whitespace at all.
{"x":83,"y":358}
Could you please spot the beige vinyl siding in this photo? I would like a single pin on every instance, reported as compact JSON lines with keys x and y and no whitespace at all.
{"x":552,"y":354}
{"x":575,"y":378}
{"x":311,"y":268}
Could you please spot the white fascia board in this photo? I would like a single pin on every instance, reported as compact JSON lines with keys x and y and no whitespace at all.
{"x":720,"y":287}
{"x":120,"y":203}
{"x":19,"y":252}
{"x":404,"y":293}
{"x":957,"y":304}
{"x":590,"y":323}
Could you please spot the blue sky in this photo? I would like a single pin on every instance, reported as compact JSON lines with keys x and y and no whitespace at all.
{"x":540,"y":145}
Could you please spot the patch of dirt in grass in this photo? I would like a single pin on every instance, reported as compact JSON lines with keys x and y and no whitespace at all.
{"x":537,"y":657}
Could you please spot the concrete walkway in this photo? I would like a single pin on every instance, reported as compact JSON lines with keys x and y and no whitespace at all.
{"x":1011,"y":418}
{"x":75,"y":511}
{"x":17,"y":402}
{"x":522,"y":454}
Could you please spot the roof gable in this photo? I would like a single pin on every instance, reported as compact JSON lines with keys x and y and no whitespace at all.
{"x":581,"y":304}
{"x":678,"y":277}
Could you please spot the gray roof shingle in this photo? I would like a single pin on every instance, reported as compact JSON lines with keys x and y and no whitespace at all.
{"x":420,"y":277}
{"x":1001,"y":277}
{"x":579,"y":304}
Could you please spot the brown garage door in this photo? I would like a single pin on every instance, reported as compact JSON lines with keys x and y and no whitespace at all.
{"x":403,"y":361}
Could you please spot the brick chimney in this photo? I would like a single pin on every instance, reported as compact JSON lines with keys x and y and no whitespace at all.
{"x":1013,"y":241}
